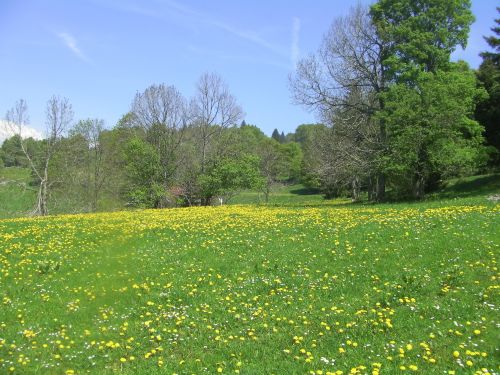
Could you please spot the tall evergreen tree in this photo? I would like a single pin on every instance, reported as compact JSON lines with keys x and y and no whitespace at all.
{"x":488,"y":111}
{"x":282,"y":137}
{"x":276,"y":135}
{"x":494,"y":42}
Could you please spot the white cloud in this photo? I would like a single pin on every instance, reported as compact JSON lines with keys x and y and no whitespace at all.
{"x":294,"y":49}
{"x":71,"y":43}
{"x":7,"y":131}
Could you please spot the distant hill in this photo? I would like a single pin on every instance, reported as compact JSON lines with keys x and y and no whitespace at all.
{"x":26,"y":132}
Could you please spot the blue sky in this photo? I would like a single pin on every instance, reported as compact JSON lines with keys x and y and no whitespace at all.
{"x":99,"y":53}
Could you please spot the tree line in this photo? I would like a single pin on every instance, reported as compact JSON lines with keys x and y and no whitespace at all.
{"x":400,"y":116}
{"x":166,"y":151}
{"x":397,"y":117}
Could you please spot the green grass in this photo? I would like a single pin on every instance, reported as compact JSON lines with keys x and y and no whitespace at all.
{"x":471,"y":187}
{"x":281,"y":195}
{"x":283,"y":289}
{"x":17,"y":198}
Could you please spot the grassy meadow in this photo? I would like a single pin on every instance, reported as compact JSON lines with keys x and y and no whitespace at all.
{"x":17,"y":197}
{"x":319,"y":288}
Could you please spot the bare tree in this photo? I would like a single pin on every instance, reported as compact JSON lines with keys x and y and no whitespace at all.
{"x":214,"y":109}
{"x":17,"y":119}
{"x":59,"y":115}
{"x":347,"y":149}
{"x":162,"y":112}
{"x":348,"y":62}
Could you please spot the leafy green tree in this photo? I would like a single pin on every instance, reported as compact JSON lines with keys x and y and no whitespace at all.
{"x":229,"y":177}
{"x":90,"y":130}
{"x":305,"y":132}
{"x":12,"y":152}
{"x":114,"y":144}
{"x":421,"y":34}
{"x":270,"y":159}
{"x":248,"y":138}
{"x":290,"y":137}
{"x":69,"y":172}
{"x":431,"y":131}
{"x":290,"y":162}
{"x":143,"y":168}
{"x":308,"y":136}
{"x":313,"y":156}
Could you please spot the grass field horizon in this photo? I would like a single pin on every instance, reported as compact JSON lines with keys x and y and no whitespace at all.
{"x":299,"y":286}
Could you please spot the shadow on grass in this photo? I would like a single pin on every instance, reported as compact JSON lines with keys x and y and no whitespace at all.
{"x":467,"y":187}
{"x":471,"y":187}
{"x":305,"y":191}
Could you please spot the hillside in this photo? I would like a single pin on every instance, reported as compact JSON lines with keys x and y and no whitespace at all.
{"x":325,"y":289}
{"x":17,"y":198}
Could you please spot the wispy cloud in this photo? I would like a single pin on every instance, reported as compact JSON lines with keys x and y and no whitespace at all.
{"x":71,"y":43}
{"x":247,"y":35}
{"x":190,"y":17}
{"x":294,"y":48}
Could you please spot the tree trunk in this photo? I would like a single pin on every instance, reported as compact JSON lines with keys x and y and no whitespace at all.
{"x":267,"y":189}
{"x":95,"y":195}
{"x":205,"y":201}
{"x":41,"y":203}
{"x":203,"y":155}
{"x":43,"y":206}
{"x":355,"y":189}
{"x":94,"y":200}
{"x":418,"y":186}
{"x":44,"y":189}
{"x":380,"y":188}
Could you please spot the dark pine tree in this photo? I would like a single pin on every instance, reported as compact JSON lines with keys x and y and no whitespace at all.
{"x":276,"y":135}
{"x":488,"y":111}
{"x":282,"y":137}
